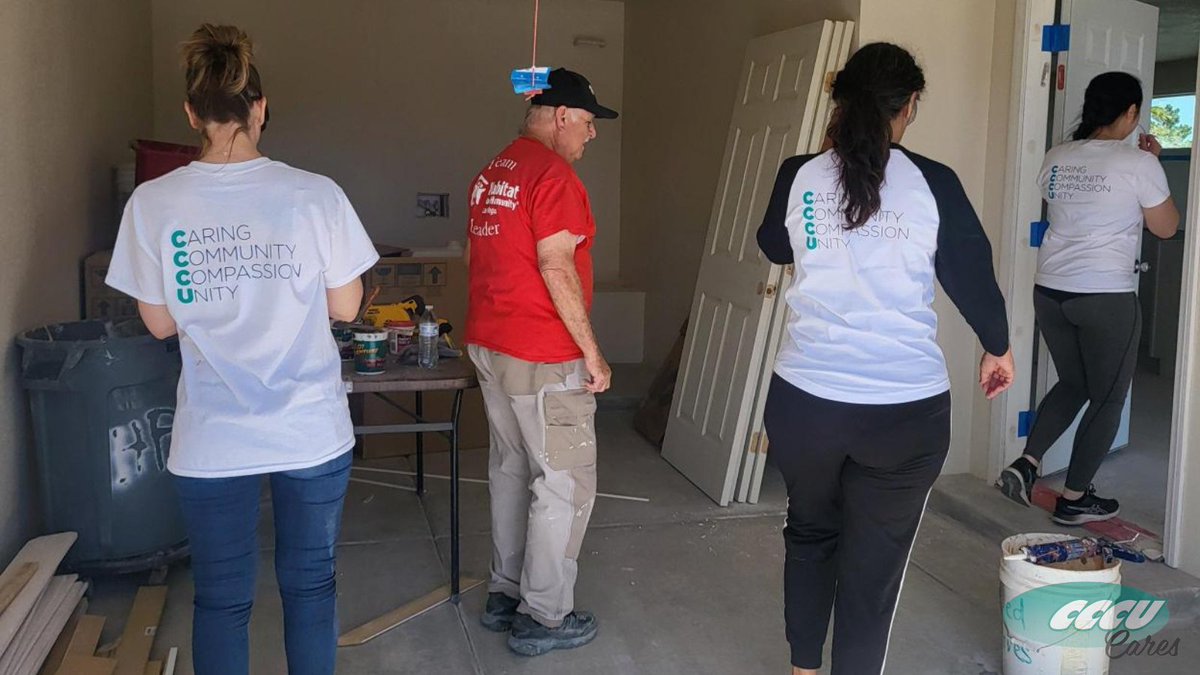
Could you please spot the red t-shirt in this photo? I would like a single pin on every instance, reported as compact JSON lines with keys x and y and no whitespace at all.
{"x":525,"y":194}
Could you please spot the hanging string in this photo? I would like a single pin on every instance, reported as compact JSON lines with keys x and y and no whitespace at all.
{"x":533,"y":60}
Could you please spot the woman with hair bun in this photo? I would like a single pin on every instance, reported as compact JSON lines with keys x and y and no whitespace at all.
{"x":1100,"y":190}
{"x":247,"y":259}
{"x":858,"y":412}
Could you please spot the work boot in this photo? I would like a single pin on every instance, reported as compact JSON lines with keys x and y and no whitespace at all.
{"x":530,"y":638}
{"x":1087,"y":509}
{"x":1016,"y":481}
{"x":499,"y":613}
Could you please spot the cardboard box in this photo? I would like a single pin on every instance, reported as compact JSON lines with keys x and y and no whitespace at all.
{"x":115,"y":308}
{"x":442,"y":282}
{"x":99,"y":300}
{"x":95,"y":269}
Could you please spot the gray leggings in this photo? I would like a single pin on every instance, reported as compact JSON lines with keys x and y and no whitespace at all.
{"x":1093,"y":340}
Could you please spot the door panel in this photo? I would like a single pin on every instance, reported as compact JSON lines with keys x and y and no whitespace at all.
{"x":755,"y":454}
{"x":724,"y":352}
{"x":1106,"y":35}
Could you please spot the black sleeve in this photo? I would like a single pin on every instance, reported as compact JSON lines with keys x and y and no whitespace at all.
{"x":772,"y":234}
{"x":964,"y":261}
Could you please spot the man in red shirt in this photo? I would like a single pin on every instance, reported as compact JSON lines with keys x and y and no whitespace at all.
{"x":529,"y":250}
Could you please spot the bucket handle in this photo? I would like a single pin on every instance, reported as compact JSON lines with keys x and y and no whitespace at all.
{"x":69,"y":361}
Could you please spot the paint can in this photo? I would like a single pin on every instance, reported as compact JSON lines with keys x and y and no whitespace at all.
{"x":344,"y":337}
{"x":400,"y":336}
{"x":370,"y":352}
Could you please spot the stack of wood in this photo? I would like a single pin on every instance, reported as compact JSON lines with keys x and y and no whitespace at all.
{"x":45,"y":628}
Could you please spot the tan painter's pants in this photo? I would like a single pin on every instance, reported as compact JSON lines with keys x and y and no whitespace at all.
{"x":542,"y":477}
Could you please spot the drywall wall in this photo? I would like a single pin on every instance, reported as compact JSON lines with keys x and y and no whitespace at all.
{"x":392,"y":98}
{"x":681,"y":69}
{"x":74,"y":91}
{"x":991,"y":212}
{"x":954,"y":40}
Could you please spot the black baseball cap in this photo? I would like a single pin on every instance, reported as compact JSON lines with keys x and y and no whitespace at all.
{"x":574,"y":91}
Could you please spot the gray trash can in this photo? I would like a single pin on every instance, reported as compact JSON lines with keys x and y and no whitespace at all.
{"x":102,"y":398}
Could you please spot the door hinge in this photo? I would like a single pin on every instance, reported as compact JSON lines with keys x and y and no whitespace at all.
{"x":758,"y":443}
{"x":1056,"y":37}
{"x":1037,"y":232}
{"x":1025,"y":422}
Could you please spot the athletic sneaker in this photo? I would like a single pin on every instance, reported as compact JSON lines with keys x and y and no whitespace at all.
{"x":499,"y":613}
{"x":1087,"y":509}
{"x":530,"y":638}
{"x":1016,"y":481}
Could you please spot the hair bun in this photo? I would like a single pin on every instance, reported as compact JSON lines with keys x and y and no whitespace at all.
{"x":218,"y":59}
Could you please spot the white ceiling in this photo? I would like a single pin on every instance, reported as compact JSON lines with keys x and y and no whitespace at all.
{"x":1178,"y":28}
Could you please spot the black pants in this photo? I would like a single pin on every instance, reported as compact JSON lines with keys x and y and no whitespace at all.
{"x":858,"y":477}
{"x":1093,"y":340}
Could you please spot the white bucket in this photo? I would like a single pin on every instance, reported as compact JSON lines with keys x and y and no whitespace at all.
{"x":1024,"y":657}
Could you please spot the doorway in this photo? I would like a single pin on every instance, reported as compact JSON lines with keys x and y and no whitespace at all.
{"x":1140,"y":471}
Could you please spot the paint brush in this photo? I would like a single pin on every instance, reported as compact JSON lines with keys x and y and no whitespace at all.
{"x":367,"y":306}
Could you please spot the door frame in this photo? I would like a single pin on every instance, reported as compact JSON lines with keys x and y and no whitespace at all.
{"x":1182,"y":546}
{"x":1029,"y":112}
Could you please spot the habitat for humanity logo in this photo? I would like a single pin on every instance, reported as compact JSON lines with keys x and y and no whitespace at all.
{"x":1089,"y":615}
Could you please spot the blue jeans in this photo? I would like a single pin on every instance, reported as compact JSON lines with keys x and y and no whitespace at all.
{"x":222,"y":523}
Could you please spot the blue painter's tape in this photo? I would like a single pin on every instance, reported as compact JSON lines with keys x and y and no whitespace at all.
{"x":1056,"y":37}
{"x":1025,"y":422}
{"x":1037,"y":233}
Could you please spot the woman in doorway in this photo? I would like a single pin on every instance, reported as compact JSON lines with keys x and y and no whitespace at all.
{"x":858,"y":411}
{"x":1100,"y":190}
{"x":246,"y":260}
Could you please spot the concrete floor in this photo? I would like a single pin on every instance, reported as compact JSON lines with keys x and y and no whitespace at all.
{"x":679,"y":584}
{"x":1136,"y":475}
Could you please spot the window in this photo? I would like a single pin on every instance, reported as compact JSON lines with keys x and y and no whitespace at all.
{"x":1171,"y":120}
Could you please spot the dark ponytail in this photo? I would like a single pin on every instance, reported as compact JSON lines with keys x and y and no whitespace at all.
{"x":1108,"y":96}
{"x":874,"y":87}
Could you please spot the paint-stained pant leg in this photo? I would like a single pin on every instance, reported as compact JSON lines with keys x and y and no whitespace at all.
{"x":554,"y":417}
{"x":508,"y":480}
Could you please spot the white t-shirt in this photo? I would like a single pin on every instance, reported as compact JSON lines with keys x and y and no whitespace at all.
{"x":1096,"y":191}
{"x":242,"y":254}
{"x":862,"y":326}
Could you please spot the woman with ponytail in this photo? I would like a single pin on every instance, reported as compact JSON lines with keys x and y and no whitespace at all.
{"x":1100,"y":189}
{"x":858,"y":412}
{"x":247,"y":259}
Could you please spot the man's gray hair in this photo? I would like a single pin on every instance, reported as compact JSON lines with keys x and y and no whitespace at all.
{"x":535,"y":116}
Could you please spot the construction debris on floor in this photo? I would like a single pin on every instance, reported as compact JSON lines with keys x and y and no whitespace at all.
{"x":45,"y":628}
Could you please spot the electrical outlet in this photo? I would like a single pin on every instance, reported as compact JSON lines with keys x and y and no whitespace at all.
{"x":433,"y":205}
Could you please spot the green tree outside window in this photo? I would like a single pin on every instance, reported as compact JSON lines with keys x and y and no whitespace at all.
{"x":1167,"y":127}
